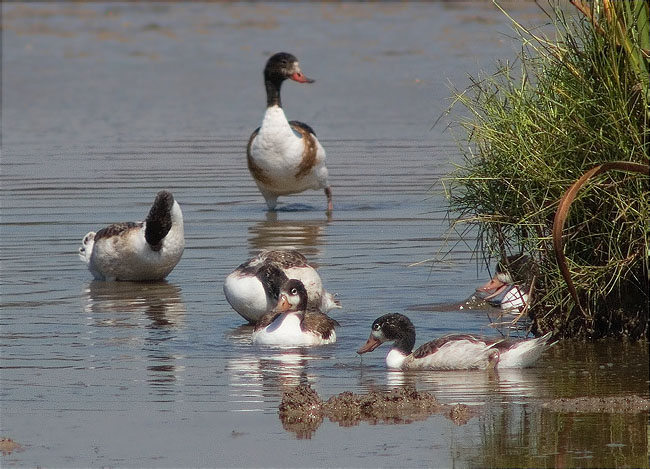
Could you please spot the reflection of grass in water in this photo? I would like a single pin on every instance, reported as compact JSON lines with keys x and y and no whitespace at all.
{"x":536,"y":437}
{"x":571,"y":104}
{"x":547,"y":434}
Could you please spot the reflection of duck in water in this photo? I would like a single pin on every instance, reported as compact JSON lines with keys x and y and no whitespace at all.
{"x":160,"y":301}
{"x":509,"y":287}
{"x":253,"y":376}
{"x":143,"y":317}
{"x":285,"y":157}
{"x":450,"y":352}
{"x":147,"y":250}
{"x":268,"y":372}
{"x":252,"y":289}
{"x":290,"y":325}
{"x":273,"y":233}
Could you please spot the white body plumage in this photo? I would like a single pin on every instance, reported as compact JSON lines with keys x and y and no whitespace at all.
{"x":278,"y":151}
{"x":285,"y":331}
{"x":121,"y":251}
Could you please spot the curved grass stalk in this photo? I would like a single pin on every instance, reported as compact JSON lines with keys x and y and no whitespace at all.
{"x":563,"y":211}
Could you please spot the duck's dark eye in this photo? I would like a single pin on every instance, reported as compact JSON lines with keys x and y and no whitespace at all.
{"x":294,"y":291}
{"x":375,"y":327}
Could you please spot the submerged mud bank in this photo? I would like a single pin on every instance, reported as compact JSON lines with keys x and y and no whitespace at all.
{"x":8,"y":446}
{"x":302,"y":410}
{"x":612,"y":404}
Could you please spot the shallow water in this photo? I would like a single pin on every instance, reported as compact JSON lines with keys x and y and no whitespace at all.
{"x":103,"y":105}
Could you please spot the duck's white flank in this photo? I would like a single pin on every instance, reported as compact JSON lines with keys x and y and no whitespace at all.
{"x":454,"y":355}
{"x":525,"y":353}
{"x":285,"y":331}
{"x":246,"y":295}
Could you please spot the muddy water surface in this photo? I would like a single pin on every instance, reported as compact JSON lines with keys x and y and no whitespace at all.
{"x":105,"y":104}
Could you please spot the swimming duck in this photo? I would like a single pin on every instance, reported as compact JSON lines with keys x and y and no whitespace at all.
{"x":290,"y":324}
{"x":502,"y":290}
{"x":285,"y":157}
{"x":138,"y":251}
{"x":450,"y":352}
{"x":252,"y":289}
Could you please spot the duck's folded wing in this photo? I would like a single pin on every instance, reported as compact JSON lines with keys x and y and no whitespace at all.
{"x":116,"y":229}
{"x":431,"y":347}
{"x":267,"y":319}
{"x":301,"y":127}
{"x":320,"y":323}
{"x":285,"y":259}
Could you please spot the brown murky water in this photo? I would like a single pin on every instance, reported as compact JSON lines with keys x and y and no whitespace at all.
{"x":104,"y":104}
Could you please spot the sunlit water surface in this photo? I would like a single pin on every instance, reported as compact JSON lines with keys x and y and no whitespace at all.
{"x":103,"y":105}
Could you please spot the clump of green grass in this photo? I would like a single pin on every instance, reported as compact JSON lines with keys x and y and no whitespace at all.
{"x":571,"y":103}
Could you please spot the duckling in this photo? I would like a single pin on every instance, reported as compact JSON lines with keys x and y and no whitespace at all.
{"x":450,"y":352}
{"x":290,"y":324}
{"x":252,"y":288}
{"x":502,"y":290}
{"x":285,"y":157}
{"x":138,"y":251}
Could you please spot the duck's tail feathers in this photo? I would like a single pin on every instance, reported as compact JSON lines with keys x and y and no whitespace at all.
{"x":86,"y":248}
{"x":526,"y":352}
{"x":330,"y":302}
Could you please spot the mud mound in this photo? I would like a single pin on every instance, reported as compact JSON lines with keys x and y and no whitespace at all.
{"x":401,"y":405}
{"x":302,"y":410}
{"x":460,"y":414}
{"x":8,"y":446}
{"x":612,"y":404}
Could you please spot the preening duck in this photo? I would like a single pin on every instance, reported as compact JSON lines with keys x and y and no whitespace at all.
{"x":450,"y":352}
{"x":509,"y":287}
{"x":290,"y":324}
{"x":252,"y":289}
{"x":285,"y":157}
{"x":138,"y":251}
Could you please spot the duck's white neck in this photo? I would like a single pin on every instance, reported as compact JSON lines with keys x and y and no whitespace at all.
{"x":275,"y":120}
{"x":288,"y":323}
{"x":177,"y":230}
{"x":177,"y":214}
{"x":395,"y":358}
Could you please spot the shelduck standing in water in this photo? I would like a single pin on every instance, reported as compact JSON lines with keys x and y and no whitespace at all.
{"x":253,"y":288}
{"x":138,"y":251}
{"x":450,"y":352}
{"x":285,"y":157}
{"x":291,"y":325}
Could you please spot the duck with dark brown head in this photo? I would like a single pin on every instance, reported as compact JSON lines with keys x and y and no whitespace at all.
{"x":291,"y":325}
{"x":285,"y":157}
{"x":450,"y":352}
